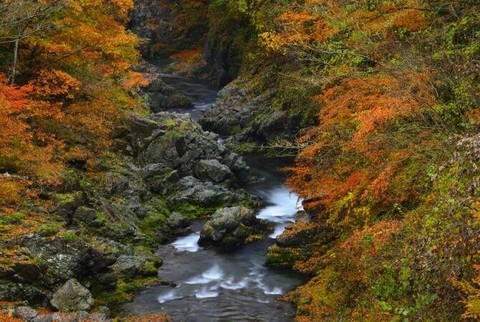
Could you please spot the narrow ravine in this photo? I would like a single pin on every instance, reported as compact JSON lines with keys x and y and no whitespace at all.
{"x":216,"y":286}
{"x":201,"y":94}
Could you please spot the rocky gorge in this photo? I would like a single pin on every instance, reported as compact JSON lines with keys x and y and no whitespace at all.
{"x":133,"y":172}
{"x":100,"y":244}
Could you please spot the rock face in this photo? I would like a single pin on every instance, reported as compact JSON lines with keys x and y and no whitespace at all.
{"x":161,"y":95}
{"x":130,"y":265}
{"x":178,"y":148}
{"x":173,"y":165}
{"x":169,"y":28}
{"x":212,"y":170}
{"x":230,"y":227}
{"x":245,"y":118}
{"x":72,"y":296}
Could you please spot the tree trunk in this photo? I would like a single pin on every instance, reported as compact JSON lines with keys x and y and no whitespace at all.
{"x":15,"y":57}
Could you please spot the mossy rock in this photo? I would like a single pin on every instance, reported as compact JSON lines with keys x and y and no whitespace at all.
{"x":282,"y":257}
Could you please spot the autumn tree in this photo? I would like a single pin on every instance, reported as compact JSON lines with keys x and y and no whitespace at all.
{"x":75,"y":61}
{"x":20,"y":19}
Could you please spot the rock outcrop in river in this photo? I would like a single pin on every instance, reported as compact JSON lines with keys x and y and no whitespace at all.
{"x":232,"y":227}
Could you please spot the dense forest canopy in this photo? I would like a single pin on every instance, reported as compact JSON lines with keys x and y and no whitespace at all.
{"x":386,"y":98}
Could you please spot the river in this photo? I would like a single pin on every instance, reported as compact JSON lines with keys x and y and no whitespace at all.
{"x":219,"y":286}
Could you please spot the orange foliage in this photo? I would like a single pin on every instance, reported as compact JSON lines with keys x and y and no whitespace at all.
{"x":92,"y":44}
{"x":350,"y":151}
{"x":8,"y":318}
{"x":298,"y":28}
{"x":55,"y":85}
{"x":319,"y":21}
{"x":379,"y":187}
{"x":135,"y":81}
{"x":18,"y":151}
{"x":410,"y":19}
{"x":75,"y":86}
{"x":90,"y":37}
{"x":187,"y":55}
{"x":185,"y":60}
{"x":374,"y":101}
{"x":122,"y":8}
{"x":10,"y":190}
{"x":369,"y":240}
{"x":159,"y":317}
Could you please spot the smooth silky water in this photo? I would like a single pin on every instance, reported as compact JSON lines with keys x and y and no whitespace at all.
{"x":219,"y":286}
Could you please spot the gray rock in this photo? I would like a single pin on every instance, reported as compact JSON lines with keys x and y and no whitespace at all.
{"x":245,"y":114}
{"x":302,"y":215}
{"x":72,"y":296}
{"x":231,"y":227}
{"x":154,"y":169}
{"x":14,"y":291}
{"x":128,"y":265}
{"x":188,"y":149}
{"x":178,"y":221}
{"x":212,"y":170}
{"x":87,"y":216}
{"x":131,"y":265}
{"x":25,"y":313}
{"x":64,"y":259}
{"x":194,"y":191}
{"x":142,"y":127}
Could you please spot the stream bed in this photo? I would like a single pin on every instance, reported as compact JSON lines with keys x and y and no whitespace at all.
{"x":225,"y":286}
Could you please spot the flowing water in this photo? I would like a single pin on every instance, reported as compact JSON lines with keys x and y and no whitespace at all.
{"x":218,"y":286}
{"x":200,"y":93}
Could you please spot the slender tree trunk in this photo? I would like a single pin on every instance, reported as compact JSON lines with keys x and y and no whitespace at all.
{"x":15,"y":58}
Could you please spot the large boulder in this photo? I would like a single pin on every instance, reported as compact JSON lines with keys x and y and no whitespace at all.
{"x":131,"y":265}
{"x":62,"y":259}
{"x":14,"y":291}
{"x":180,"y":144}
{"x":212,"y":170}
{"x":72,"y":296}
{"x":203,"y":193}
{"x":231,"y":227}
{"x":177,"y":224}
